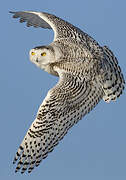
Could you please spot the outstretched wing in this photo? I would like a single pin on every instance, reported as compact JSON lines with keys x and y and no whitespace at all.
{"x":61,"y":28}
{"x":64,"y":105}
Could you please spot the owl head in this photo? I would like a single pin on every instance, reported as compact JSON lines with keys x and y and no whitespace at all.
{"x":42,"y":55}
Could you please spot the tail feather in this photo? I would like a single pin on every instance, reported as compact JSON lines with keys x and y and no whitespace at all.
{"x":114,"y":83}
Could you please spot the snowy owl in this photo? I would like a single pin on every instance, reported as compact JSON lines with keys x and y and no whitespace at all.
{"x":87,"y":73}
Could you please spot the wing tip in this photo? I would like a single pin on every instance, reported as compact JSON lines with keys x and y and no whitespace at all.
{"x":14,"y":161}
{"x":12,"y":12}
{"x":17,"y":169}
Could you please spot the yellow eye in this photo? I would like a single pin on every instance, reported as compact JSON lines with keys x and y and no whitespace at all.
{"x":32,"y":53}
{"x":43,"y":54}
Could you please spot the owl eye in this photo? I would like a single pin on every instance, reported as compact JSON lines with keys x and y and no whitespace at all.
{"x":32,"y":53}
{"x":43,"y":54}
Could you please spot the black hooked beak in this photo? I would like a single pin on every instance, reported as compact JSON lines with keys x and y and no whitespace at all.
{"x":37,"y":60}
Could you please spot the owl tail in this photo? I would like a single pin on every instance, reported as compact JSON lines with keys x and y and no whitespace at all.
{"x":114,"y":82}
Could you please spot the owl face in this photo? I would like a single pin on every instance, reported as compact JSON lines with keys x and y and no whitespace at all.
{"x":42,"y":56}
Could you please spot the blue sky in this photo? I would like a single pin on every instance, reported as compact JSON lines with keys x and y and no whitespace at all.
{"x":95,"y":148}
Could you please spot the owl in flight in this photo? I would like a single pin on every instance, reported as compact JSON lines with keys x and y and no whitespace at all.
{"x":87,"y":73}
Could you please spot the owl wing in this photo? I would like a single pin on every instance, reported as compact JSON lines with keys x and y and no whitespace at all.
{"x":114,"y":82}
{"x":61,"y":28}
{"x":64,"y":105}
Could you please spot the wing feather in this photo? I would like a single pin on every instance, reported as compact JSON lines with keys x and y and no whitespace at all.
{"x":32,"y":18}
{"x":114,"y":81}
{"x":62,"y":29}
{"x":64,"y":105}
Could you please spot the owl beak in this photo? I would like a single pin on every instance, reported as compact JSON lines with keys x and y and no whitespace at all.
{"x":37,"y":60}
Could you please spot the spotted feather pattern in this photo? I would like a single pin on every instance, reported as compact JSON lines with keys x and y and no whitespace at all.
{"x":64,"y":106}
{"x":63,"y":30}
{"x":114,"y":81}
{"x":87,"y":73}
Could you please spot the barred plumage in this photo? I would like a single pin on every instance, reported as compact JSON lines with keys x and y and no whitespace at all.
{"x":87,"y":73}
{"x":114,"y":83}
